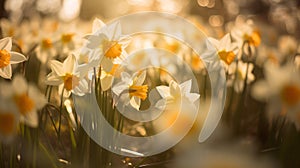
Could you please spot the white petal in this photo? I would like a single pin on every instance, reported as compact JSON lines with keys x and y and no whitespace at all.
{"x":164,"y":91}
{"x":53,"y":79}
{"x":6,"y":90}
{"x":20,"y":84}
{"x":140,"y":79}
{"x":6,"y":43}
{"x":31,"y":119}
{"x":225,"y":42}
{"x":213,"y":41}
{"x":186,"y":86}
{"x":135,"y":102}
{"x":261,"y":90}
{"x":193,"y":97}
{"x":37,"y":97}
{"x":95,"y":41}
{"x":119,"y":88}
{"x":6,"y":72}
{"x":57,"y":67}
{"x":125,"y":77}
{"x":114,"y":31}
{"x":82,"y":88}
{"x":97,"y":24}
{"x":69,"y":64}
{"x":42,"y":56}
{"x":16,"y":57}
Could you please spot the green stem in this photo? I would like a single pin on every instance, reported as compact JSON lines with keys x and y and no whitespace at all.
{"x":1,"y":155}
{"x":52,"y":121}
{"x":11,"y":159}
{"x":60,"y":112}
{"x":44,"y":149}
{"x":50,"y":91}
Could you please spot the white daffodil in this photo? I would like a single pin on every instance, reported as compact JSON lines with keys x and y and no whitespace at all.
{"x":266,"y":54}
{"x":67,"y":39}
{"x":247,"y":37}
{"x":239,"y":74}
{"x":8,"y":57}
{"x":245,"y":32}
{"x":177,"y":92}
{"x":225,"y":49}
{"x":287,"y":45}
{"x":131,"y":89}
{"x":9,"y":29}
{"x":282,"y":90}
{"x":110,"y":43}
{"x":9,"y":119}
{"x":65,"y":43}
{"x":45,"y":50}
{"x":179,"y":107}
{"x":67,"y":76}
{"x":27,"y":98}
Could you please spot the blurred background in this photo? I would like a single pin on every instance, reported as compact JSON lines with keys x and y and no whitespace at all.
{"x":282,"y":14}
{"x":260,"y":141}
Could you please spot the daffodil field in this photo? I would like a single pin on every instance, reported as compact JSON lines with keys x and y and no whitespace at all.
{"x":150,"y":84}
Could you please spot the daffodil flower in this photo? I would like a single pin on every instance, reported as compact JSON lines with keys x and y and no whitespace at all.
{"x":65,"y":43}
{"x":66,"y":76}
{"x":226,"y":50}
{"x":246,"y":34}
{"x":45,"y":50}
{"x":111,"y":44}
{"x":131,"y":89}
{"x":179,"y":102}
{"x":8,"y":57}
{"x":9,"y":119}
{"x":26,"y":97}
{"x":176,"y":92}
{"x":281,"y":89}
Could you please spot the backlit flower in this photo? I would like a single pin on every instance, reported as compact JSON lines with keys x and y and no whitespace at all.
{"x":246,"y":33}
{"x":225,"y":49}
{"x":180,"y":106}
{"x":66,"y":76}
{"x":9,"y":119}
{"x":111,"y":44}
{"x":131,"y":89}
{"x":27,"y":99}
{"x":8,"y":57}
{"x":282,"y":90}
{"x":45,"y":50}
